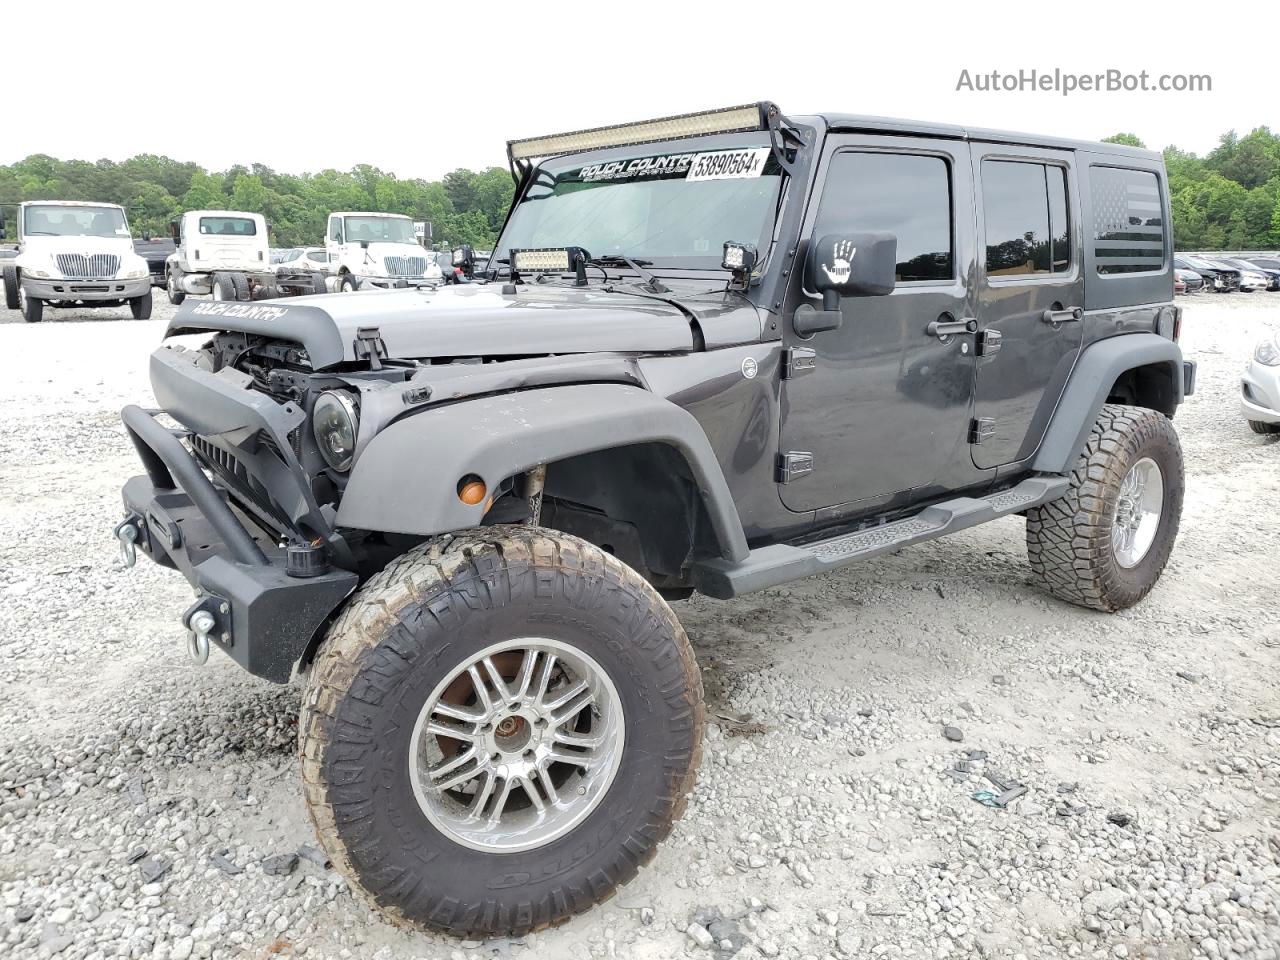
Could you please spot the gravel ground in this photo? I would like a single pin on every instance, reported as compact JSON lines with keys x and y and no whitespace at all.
{"x":150,"y":808}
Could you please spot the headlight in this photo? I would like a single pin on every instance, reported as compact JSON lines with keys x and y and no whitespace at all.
{"x":333,"y":422}
{"x":1268,"y":353}
{"x":134,"y":274}
{"x":38,"y":274}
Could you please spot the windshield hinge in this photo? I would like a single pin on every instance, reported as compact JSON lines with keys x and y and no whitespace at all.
{"x":369,"y":344}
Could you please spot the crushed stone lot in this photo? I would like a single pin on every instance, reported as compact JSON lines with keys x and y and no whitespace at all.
{"x":150,"y":807}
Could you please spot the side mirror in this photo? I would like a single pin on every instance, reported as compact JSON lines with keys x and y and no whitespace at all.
{"x":146,"y":236}
{"x":175,"y":230}
{"x":364,"y":244}
{"x":845,"y":265}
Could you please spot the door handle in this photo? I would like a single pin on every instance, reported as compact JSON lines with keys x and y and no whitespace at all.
{"x":1062,"y":316}
{"x":944,"y":328}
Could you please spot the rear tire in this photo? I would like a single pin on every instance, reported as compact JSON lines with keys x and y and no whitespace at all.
{"x":10,"y":275}
{"x":241,"y":284}
{"x":1098,"y":546}
{"x":141,"y":306}
{"x":222,"y":287}
{"x":409,"y":641}
{"x":32,"y":307}
{"x":174,"y":289}
{"x":1258,"y":426}
{"x":317,"y":283}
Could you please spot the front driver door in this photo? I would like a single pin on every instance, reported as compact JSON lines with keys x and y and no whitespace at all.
{"x":884,"y":408}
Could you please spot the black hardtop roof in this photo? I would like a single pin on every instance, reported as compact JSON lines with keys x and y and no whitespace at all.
{"x":852,"y":123}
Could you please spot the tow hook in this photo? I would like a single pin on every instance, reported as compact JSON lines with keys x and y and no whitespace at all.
{"x":202,"y":623}
{"x":127,"y":533}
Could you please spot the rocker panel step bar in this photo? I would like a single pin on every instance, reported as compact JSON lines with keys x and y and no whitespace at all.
{"x":779,"y":563}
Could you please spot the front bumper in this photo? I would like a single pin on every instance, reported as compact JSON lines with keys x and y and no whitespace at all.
{"x":397,"y":283}
{"x":86,"y":290}
{"x":1260,"y":393}
{"x":262,"y":617}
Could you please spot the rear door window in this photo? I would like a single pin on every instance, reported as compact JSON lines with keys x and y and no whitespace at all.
{"x":1025,"y":210}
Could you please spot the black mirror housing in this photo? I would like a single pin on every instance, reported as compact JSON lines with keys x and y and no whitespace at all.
{"x":845,"y":265}
{"x":852,"y":265}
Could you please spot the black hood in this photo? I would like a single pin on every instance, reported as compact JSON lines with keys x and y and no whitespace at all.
{"x":478,"y":319}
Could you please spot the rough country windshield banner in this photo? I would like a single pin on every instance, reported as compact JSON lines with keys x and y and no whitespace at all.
{"x":717,"y":165}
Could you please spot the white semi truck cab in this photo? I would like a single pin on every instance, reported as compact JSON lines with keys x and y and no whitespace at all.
{"x":226,"y":254}
{"x":74,"y":254}
{"x":369,"y":250}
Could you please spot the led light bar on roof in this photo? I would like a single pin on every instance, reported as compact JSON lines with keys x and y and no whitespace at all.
{"x":753,"y":116}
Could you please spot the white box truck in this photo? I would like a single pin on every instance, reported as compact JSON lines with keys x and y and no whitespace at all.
{"x":74,"y":254}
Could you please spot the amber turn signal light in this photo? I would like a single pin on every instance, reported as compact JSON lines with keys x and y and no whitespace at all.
{"x":471,"y":490}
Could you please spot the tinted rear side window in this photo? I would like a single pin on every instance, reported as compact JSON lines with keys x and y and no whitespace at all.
{"x":1128,"y":220}
{"x":1025,"y":211}
{"x":903,"y":194}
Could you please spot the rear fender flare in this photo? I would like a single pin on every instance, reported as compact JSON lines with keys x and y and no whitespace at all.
{"x":406,"y":479}
{"x":1100,"y":365}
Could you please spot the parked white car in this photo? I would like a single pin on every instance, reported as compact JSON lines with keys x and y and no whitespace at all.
{"x":308,"y":258}
{"x":1260,"y":389}
{"x":377,"y":250}
{"x":74,"y":254}
{"x":225,"y":254}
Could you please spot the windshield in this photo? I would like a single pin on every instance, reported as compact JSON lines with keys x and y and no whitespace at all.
{"x":380,"y":230}
{"x":228,"y":227}
{"x":54,"y":221}
{"x":669,"y":209}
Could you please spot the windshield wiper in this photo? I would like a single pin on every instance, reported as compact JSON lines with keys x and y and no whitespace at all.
{"x":617,"y":260}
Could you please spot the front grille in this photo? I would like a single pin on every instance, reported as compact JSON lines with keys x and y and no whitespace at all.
{"x":405,"y":266}
{"x":98,"y":266}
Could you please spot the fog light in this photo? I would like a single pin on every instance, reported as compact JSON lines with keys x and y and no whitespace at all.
{"x":739,"y":257}
{"x":471,"y":490}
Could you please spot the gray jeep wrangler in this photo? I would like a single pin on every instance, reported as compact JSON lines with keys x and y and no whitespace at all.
{"x":713,"y":353}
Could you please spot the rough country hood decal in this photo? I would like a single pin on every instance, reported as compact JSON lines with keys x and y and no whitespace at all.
{"x":453,"y":321}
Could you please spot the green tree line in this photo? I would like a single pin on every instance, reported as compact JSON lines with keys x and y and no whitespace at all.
{"x":463,"y":207}
{"x":1228,"y":199}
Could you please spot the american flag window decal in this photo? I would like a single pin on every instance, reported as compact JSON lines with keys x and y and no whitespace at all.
{"x":1128,"y":220}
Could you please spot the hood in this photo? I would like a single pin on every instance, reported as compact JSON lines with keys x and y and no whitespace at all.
{"x":465,"y":320}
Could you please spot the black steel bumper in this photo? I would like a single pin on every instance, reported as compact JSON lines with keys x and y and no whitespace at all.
{"x":263,"y":618}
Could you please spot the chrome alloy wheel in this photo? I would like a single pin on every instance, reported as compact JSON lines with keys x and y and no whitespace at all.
{"x":516,"y":746}
{"x":1139,"y":507}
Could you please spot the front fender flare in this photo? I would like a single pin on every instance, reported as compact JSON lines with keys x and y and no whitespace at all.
{"x":1100,"y":365}
{"x":405,"y":480}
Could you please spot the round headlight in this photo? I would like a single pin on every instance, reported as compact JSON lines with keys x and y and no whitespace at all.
{"x":333,"y":421}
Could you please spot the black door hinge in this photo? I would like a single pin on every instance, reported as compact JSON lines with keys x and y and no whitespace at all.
{"x":988,"y":343}
{"x":981,"y":428}
{"x":793,"y":465}
{"x":798,"y":361}
{"x":369,"y":344}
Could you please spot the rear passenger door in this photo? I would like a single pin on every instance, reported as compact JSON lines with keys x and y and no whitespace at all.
{"x":1030,"y":295}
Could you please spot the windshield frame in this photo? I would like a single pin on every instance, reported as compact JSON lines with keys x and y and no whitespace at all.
{"x":765,"y":241}
{"x":56,"y":208}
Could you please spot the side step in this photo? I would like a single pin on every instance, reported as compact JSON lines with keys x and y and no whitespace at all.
{"x":780,"y":562}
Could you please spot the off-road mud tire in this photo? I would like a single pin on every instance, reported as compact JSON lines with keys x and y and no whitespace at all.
{"x":404,"y":631}
{"x":1069,"y":540}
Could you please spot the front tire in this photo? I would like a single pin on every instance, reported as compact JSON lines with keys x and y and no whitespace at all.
{"x":499,"y":830}
{"x":140,"y":307}
{"x":347,"y":284}
{"x":10,"y":275}
{"x":1105,"y":543}
{"x":1259,"y":426}
{"x":32,"y":307}
{"x":174,"y":289}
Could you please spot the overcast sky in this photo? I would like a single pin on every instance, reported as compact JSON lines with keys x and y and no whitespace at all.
{"x":419,"y":89}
